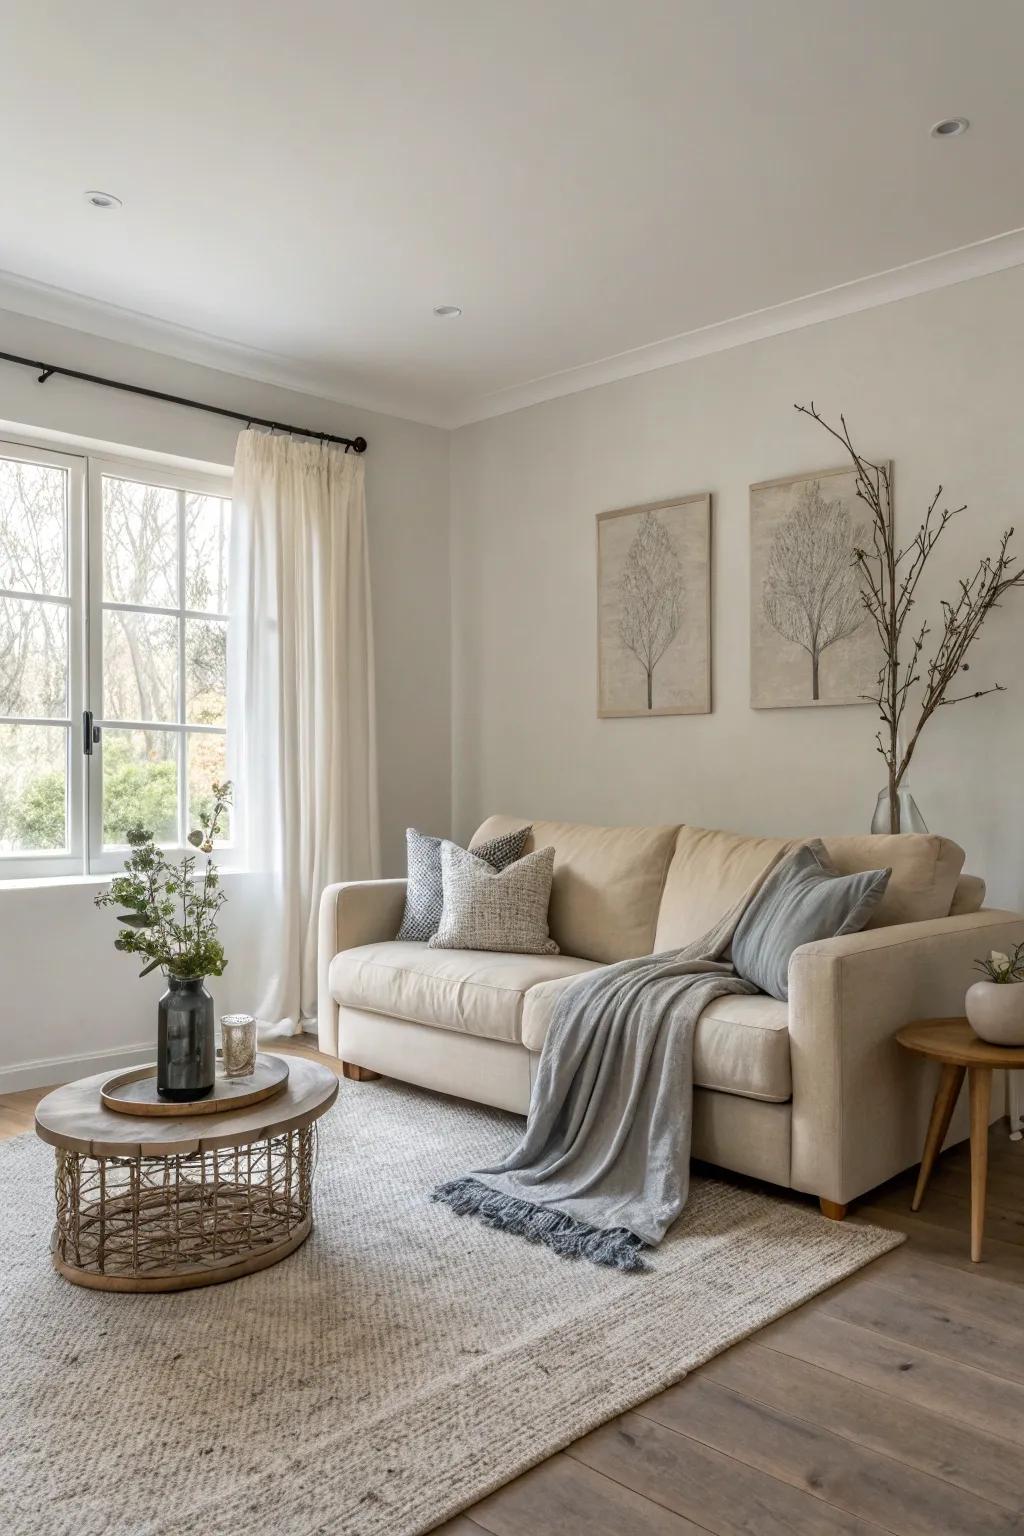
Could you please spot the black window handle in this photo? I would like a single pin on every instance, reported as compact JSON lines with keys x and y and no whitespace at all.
{"x":90,"y":733}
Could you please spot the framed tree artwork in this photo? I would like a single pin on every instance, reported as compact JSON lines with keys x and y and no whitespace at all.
{"x":812,"y":642}
{"x":654,"y":609}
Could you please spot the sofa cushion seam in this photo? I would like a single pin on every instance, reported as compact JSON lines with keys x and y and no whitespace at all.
{"x":461,"y":981}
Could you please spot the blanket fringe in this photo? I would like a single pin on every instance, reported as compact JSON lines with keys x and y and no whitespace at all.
{"x":615,"y":1248}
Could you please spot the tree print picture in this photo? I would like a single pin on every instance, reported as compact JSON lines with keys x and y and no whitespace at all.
{"x":653,"y":602}
{"x":811,"y":641}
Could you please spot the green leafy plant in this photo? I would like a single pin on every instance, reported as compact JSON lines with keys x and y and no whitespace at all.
{"x":1003,"y":968}
{"x":170,"y":910}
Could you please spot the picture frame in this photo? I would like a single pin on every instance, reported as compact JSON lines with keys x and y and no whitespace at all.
{"x":812,"y":642}
{"x":654,"y":609}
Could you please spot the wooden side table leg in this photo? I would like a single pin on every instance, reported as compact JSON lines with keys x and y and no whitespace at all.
{"x":981,"y":1097}
{"x":942,"y":1112}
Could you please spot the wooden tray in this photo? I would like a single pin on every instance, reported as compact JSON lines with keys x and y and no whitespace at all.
{"x":134,"y":1092}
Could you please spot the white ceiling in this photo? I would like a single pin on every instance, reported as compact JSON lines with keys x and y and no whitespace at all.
{"x":584,"y":177}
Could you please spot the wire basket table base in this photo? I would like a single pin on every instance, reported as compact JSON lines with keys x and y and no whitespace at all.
{"x":170,"y":1223}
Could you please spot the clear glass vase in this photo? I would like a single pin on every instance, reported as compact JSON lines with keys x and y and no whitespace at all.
{"x":911,"y":819}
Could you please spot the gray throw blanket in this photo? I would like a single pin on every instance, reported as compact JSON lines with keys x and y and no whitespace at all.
{"x":603,"y":1168}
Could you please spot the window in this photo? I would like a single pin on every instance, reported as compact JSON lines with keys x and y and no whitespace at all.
{"x":113,"y":613}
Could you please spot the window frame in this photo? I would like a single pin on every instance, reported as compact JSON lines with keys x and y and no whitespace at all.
{"x":48,"y":864}
{"x":85,"y":603}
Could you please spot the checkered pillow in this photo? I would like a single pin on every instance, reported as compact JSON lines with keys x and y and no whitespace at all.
{"x":424,"y":895}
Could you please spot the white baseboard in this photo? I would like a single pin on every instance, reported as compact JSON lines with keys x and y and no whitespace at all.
{"x":51,"y":1070}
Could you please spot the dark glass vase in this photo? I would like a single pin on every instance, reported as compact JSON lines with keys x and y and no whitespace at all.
{"x":185,"y":1046}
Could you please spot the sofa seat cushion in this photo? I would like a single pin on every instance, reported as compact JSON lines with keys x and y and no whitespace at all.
{"x":474,"y":991}
{"x":741,"y":1044}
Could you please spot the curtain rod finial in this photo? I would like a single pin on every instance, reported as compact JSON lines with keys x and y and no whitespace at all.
{"x":359,"y":444}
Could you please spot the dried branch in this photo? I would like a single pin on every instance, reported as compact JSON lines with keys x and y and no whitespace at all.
{"x":889,"y":580}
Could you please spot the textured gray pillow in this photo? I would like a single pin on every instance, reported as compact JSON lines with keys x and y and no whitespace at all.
{"x":485,"y":908}
{"x":424,"y":893}
{"x":803,"y":899}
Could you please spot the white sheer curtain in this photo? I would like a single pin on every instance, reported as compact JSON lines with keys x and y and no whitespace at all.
{"x":301,"y":727}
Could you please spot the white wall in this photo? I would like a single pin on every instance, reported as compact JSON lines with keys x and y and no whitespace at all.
{"x":933,"y":382}
{"x":63,"y":990}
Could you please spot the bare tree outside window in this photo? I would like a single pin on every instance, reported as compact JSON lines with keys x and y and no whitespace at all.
{"x":651,"y":587}
{"x":164,"y":605}
{"x":811,"y":593}
{"x":33,"y":657}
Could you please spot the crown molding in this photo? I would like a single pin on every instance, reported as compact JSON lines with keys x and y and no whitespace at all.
{"x":980,"y":259}
{"x":114,"y":322}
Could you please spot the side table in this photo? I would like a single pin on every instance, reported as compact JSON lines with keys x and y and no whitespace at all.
{"x":954,"y":1043}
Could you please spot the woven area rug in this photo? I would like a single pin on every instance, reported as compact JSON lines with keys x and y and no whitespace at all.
{"x":402,"y":1364}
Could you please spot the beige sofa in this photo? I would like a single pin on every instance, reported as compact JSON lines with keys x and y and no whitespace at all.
{"x":813,"y":1094}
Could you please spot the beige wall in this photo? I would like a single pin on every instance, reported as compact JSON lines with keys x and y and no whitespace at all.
{"x":933,"y":382}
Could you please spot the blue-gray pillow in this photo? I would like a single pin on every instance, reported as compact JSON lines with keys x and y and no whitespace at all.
{"x":802,"y":900}
{"x":424,"y":893}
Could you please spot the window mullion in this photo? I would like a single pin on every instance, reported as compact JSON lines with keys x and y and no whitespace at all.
{"x":76,"y":556}
{"x":94,"y":652}
{"x":182,"y":711}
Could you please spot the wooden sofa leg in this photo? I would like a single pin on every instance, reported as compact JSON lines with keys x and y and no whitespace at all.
{"x":358,"y":1074}
{"x":833,"y":1210}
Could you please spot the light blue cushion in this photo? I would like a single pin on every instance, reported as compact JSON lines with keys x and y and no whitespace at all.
{"x":803,"y":899}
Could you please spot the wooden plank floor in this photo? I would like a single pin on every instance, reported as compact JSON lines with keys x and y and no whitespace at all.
{"x":894,"y":1402}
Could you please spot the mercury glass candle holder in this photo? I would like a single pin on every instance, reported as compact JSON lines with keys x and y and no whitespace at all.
{"x":238,"y":1034}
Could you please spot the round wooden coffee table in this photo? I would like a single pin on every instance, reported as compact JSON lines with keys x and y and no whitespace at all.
{"x":954,"y":1043}
{"x":165,"y":1204}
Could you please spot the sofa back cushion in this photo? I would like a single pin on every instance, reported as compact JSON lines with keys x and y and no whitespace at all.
{"x":925,"y":869}
{"x":607,"y":884}
{"x":968,"y":896}
{"x":710,"y":871}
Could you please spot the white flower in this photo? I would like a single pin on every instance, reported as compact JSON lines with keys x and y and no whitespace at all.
{"x":999,"y":960}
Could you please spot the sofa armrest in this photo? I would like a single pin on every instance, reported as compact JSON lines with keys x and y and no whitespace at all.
{"x":861,"y":1102}
{"x":352,"y":913}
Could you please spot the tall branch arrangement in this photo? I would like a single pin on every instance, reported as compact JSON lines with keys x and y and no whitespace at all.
{"x":889,"y":580}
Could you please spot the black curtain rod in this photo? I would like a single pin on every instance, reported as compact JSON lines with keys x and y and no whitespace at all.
{"x":46,"y":370}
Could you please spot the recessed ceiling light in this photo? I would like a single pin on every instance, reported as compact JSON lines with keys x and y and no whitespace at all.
{"x":950,"y":128}
{"x":102,"y":200}
{"x":447,"y":311}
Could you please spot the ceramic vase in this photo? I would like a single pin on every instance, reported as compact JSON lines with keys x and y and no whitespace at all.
{"x":185,"y":1062}
{"x":995,"y":1011}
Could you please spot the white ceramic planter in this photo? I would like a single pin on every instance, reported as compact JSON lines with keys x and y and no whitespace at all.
{"x":995,"y":1011}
